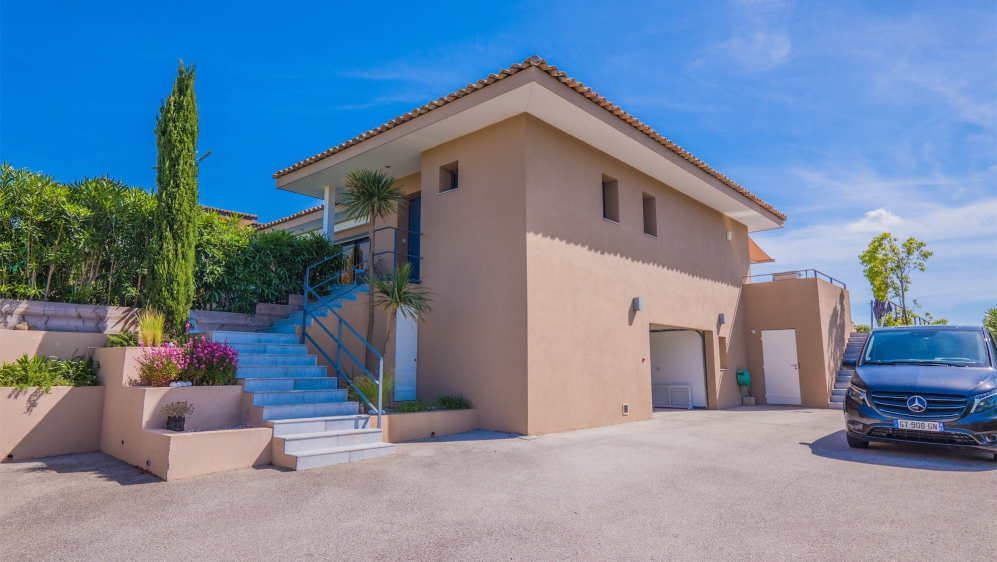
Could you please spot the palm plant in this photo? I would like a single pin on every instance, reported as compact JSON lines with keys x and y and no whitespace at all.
{"x":370,"y":195}
{"x":396,"y":292}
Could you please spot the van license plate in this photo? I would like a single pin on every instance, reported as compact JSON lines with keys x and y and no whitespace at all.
{"x":918,"y":425}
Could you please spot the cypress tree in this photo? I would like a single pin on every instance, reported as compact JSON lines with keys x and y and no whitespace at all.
{"x":174,"y":232}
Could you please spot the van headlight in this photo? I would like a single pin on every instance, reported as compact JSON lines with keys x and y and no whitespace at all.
{"x":984,"y":402}
{"x":858,"y":395}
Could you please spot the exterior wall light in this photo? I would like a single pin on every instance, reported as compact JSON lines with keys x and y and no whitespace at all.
{"x":638,"y":304}
{"x":730,"y":236}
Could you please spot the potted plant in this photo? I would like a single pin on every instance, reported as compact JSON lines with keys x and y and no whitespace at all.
{"x":176,"y":415}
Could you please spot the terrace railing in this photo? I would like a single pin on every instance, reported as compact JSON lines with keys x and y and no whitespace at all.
{"x":799,"y":274}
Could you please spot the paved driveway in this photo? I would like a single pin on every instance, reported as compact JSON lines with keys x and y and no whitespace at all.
{"x":761,"y":484}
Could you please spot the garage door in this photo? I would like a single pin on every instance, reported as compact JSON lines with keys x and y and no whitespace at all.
{"x":678,"y":369}
{"x":781,"y":367}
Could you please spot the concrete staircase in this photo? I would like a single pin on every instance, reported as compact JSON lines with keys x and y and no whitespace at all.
{"x":852,"y":349}
{"x":313,"y":422}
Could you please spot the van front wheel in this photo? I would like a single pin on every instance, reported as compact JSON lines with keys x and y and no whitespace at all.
{"x":856,"y":443}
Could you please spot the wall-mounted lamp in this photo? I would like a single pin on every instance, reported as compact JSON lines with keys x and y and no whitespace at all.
{"x":723,"y":318}
{"x":638,"y":304}
{"x":730,"y":236}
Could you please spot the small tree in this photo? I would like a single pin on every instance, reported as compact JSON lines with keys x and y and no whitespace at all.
{"x":888,"y":266}
{"x":370,"y":195}
{"x":990,"y":321}
{"x":174,"y":230}
{"x":396,"y":292}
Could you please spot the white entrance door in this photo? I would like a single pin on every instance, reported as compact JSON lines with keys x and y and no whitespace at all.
{"x":781,"y":367}
{"x":406,"y":357}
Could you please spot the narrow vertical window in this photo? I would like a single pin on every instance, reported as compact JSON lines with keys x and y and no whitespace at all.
{"x":650,"y":216}
{"x":610,"y":199}
{"x":448,"y":177}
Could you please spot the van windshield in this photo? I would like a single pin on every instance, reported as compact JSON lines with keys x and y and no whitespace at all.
{"x":962,"y":348}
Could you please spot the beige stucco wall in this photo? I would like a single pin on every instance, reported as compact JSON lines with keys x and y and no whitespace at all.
{"x":34,"y":424}
{"x":64,"y":345}
{"x":821,"y":315}
{"x":588,"y":350}
{"x":397,"y":428}
{"x":474,"y":248}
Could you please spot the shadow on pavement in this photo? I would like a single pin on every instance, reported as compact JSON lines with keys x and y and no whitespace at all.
{"x":99,"y":464}
{"x":921,"y":457}
{"x":477,"y":435}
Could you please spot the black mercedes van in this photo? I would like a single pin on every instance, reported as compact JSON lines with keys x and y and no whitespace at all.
{"x":932,"y":385}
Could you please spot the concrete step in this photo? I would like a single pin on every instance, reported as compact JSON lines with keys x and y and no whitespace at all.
{"x":844,"y":379}
{"x":275,"y":371}
{"x":837,"y":392}
{"x":290,"y":397}
{"x":838,"y":398}
{"x":835,"y":406}
{"x":304,"y":442}
{"x":857,"y":335}
{"x":250,"y":337}
{"x":261,"y":384}
{"x":339,"y":455}
{"x":270,"y":348}
{"x":845,"y":372}
{"x":276,"y":309}
{"x":841,"y":385}
{"x":298,"y":411}
{"x":317,"y":425}
{"x":296,"y":321}
{"x":283,"y":329}
{"x":259,"y":359}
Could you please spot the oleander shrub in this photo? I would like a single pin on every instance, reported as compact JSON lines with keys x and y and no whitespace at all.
{"x":45,"y":372}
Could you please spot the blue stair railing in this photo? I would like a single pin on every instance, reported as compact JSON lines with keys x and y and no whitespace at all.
{"x":313,"y":302}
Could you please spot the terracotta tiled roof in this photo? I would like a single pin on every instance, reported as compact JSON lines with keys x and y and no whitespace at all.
{"x":227,"y":213}
{"x":290,"y":217}
{"x":541,"y":64}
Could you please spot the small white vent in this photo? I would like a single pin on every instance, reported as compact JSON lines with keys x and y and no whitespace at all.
{"x":671,"y":396}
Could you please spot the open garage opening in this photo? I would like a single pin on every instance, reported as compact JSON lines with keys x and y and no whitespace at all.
{"x":678,"y":368}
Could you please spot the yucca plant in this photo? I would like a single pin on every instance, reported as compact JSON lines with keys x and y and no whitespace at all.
{"x":397,"y":292}
{"x":370,"y":195}
{"x":151,"y":326}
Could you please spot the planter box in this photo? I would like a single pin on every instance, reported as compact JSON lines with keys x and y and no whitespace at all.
{"x":63,"y":422}
{"x":133,"y":428}
{"x":424,"y":425}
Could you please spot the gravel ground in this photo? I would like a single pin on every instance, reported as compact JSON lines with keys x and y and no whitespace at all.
{"x":743,"y":484}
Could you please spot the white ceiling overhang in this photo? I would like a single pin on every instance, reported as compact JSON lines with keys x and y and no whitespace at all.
{"x":545,"y":98}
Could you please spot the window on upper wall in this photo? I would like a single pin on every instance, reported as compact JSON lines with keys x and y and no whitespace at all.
{"x":448,"y":177}
{"x":650,"y":216}
{"x":610,"y":199}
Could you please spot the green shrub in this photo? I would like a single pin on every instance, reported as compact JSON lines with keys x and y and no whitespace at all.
{"x":368,"y":387}
{"x":124,"y":339}
{"x":410,"y":406}
{"x":451,"y":402}
{"x":45,"y":372}
{"x":862,"y":328}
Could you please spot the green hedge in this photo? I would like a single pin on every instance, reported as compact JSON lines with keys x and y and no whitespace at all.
{"x":87,"y":242}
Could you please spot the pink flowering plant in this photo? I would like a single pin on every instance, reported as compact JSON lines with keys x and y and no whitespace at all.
{"x":200,"y":361}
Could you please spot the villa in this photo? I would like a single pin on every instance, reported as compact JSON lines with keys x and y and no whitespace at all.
{"x":585,"y":269}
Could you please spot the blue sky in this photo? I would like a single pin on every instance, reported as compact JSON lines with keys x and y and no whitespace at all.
{"x":850,"y":116}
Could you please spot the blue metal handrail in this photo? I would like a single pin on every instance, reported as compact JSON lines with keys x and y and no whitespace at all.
{"x":308,"y":310}
{"x":897,"y":312}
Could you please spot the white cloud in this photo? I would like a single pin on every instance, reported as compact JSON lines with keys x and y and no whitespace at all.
{"x":760,"y":51}
{"x":879,"y":220}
